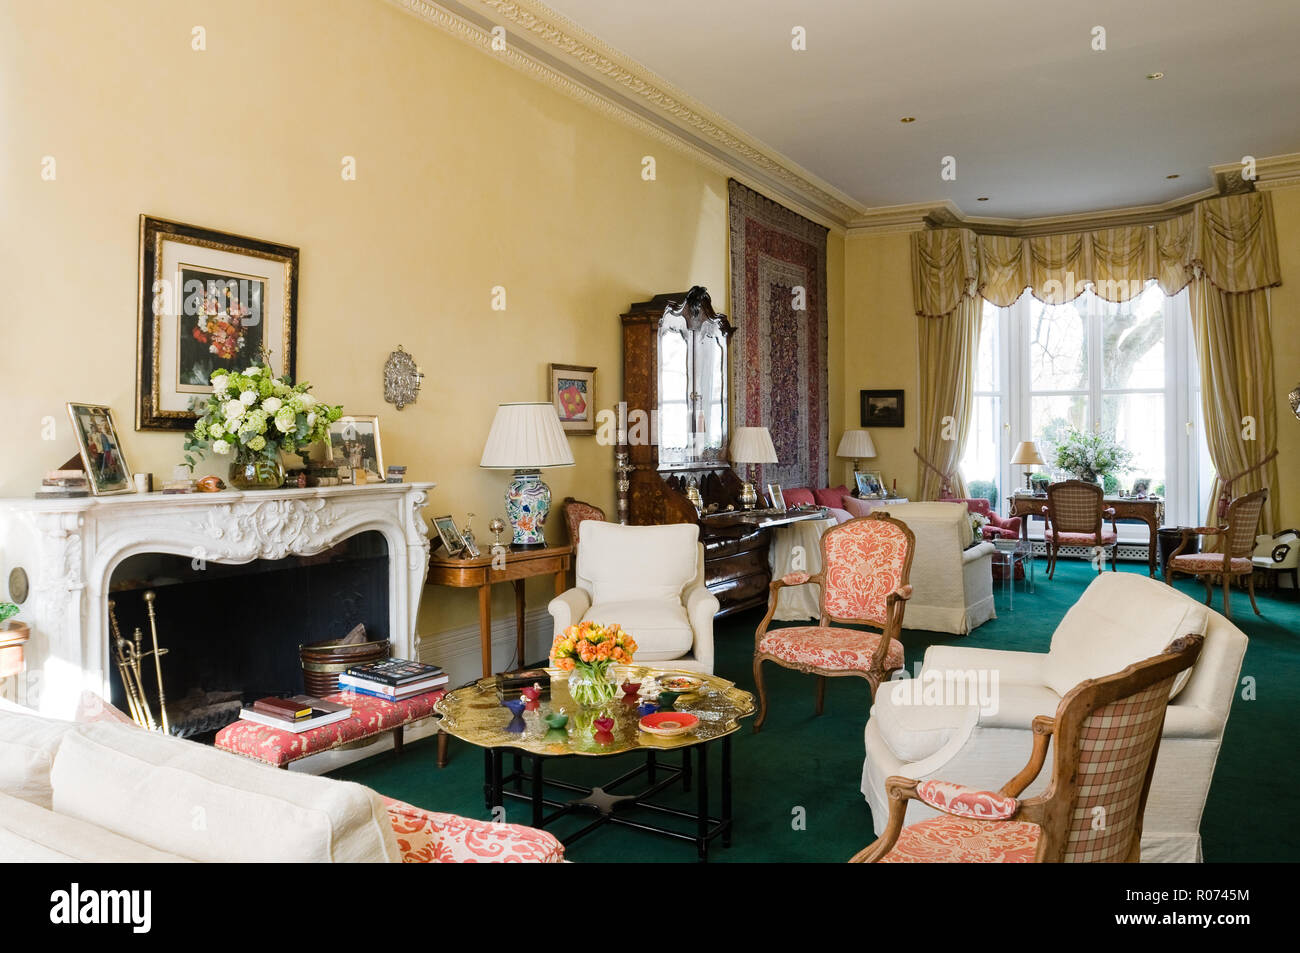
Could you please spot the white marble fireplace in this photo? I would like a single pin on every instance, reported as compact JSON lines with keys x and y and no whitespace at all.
{"x":69,"y":548}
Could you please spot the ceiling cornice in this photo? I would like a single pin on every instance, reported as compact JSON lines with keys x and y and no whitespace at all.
{"x":549,"y":47}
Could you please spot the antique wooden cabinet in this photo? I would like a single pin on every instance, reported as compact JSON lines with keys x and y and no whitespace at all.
{"x":674,"y":429}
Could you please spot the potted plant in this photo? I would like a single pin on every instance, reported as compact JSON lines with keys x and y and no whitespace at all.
{"x":255,"y":416}
{"x":588,"y":651}
{"x":1091,"y":455}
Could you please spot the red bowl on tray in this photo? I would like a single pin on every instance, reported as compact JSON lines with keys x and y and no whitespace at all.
{"x":669,"y":724}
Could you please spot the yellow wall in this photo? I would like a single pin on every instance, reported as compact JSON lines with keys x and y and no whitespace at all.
{"x":469,"y":175}
{"x":1285,"y":312}
{"x":880,"y":348}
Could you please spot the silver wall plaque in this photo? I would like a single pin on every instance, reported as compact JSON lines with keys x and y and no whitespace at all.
{"x":401,"y":379}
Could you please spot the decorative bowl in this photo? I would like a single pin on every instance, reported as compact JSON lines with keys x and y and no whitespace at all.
{"x":681,"y":684}
{"x":556,"y":719}
{"x":669,"y":724}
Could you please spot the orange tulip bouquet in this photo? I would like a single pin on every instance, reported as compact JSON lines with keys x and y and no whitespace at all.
{"x":588,"y":651}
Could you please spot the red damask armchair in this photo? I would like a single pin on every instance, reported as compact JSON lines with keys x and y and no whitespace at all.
{"x":864,"y":581}
{"x":432,"y":837}
{"x":999,"y":527}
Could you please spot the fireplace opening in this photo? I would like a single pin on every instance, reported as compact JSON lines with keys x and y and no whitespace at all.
{"x":231,"y":632}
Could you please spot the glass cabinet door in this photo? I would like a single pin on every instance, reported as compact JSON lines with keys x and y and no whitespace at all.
{"x":674,"y":391}
{"x":711,"y":391}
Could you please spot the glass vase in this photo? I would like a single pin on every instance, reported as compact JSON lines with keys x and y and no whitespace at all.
{"x":252,"y":470}
{"x":593,"y":686}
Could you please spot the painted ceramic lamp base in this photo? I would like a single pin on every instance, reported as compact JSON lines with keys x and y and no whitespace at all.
{"x":528,"y":501}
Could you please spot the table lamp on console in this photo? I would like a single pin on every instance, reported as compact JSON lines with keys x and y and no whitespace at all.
{"x":1028,"y":456}
{"x":856,"y":445}
{"x":751,"y":445}
{"x":526,"y":437}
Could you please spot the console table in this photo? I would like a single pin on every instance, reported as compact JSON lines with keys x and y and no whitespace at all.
{"x":483,"y":571}
{"x":1149,"y":511}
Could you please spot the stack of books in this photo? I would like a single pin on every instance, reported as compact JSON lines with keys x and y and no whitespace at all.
{"x":63,"y":484}
{"x":392,"y":679}
{"x":297,"y":714}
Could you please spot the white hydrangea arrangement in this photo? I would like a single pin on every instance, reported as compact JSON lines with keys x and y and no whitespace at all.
{"x":255,"y":412}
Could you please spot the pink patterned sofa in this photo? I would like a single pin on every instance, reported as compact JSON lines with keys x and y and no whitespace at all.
{"x":830,"y":497}
{"x":999,"y":527}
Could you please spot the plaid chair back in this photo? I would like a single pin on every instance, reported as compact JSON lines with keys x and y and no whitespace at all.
{"x":864,"y":560}
{"x":1107,"y":736}
{"x":1243,"y":522}
{"x":575,"y":511}
{"x":1074,"y":506}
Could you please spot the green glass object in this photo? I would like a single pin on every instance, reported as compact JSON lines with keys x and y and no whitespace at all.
{"x":593,"y":685}
{"x":256,"y":471}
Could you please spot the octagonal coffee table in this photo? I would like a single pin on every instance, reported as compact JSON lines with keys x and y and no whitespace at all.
{"x":475,"y":714}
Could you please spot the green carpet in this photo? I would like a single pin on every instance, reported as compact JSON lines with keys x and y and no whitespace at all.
{"x":796,"y":783}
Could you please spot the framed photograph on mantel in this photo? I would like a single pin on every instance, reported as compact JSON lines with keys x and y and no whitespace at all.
{"x":882,"y":408}
{"x":209,"y":301}
{"x":101,"y":450}
{"x":573,"y":391}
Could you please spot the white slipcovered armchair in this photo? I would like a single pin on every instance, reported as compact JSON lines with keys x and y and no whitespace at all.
{"x":968,"y":717}
{"x":952,"y":585}
{"x":650,"y":580}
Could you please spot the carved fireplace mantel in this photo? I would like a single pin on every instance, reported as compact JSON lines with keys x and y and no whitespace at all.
{"x":68,"y":549}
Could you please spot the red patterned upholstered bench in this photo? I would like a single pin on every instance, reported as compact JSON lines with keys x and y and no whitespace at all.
{"x":431,"y":837}
{"x":370,"y":716}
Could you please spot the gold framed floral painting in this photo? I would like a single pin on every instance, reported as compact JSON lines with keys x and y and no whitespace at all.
{"x":209,"y":301}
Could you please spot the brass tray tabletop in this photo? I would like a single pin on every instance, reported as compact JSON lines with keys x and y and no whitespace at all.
{"x":474,"y":714}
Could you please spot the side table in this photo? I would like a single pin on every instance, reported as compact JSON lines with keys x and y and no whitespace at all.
{"x":483,"y":571}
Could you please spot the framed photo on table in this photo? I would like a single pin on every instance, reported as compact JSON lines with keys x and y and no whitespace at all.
{"x":573,"y":392}
{"x":776,"y":497}
{"x":354,"y":442}
{"x":208,"y":301}
{"x":101,"y":450}
{"x":871,"y":484}
{"x":449,"y":535}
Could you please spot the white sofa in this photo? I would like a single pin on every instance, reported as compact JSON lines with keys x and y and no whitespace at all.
{"x":112,"y":792}
{"x":952,"y":586}
{"x":919,"y":730}
{"x":650,"y":580}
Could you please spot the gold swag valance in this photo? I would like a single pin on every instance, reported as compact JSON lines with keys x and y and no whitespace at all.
{"x":1230,"y":240}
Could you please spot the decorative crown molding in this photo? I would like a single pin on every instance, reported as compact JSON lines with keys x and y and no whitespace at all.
{"x":546,"y":46}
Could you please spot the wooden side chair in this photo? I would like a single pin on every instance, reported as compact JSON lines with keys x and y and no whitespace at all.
{"x":1106,"y":731}
{"x":575,"y":511}
{"x":865,"y":567}
{"x":1074,"y":514}
{"x":1237,"y":537}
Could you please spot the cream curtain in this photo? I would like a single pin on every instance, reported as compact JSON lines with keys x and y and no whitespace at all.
{"x":1237,"y":395}
{"x":1226,"y":248}
{"x":947,"y":347}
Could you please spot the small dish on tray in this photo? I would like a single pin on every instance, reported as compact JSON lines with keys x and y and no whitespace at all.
{"x":669,"y":724}
{"x":681,"y":684}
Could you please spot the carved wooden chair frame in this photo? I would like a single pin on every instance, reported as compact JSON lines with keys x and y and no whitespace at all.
{"x":1053,"y":810}
{"x":895,"y":603}
{"x":1226,"y":572}
{"x":1052,"y":540}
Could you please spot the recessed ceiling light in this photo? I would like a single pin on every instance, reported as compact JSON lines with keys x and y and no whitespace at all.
{"x":982,"y":198}
{"x":1155,"y":75}
{"x":1173,"y":176}
{"x":908,"y":119}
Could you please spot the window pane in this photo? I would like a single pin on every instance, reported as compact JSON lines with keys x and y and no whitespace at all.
{"x":1051,"y":416}
{"x":1138,"y":423}
{"x":986,"y":358}
{"x":982,"y":460}
{"x":1058,"y":346}
{"x":1133,"y":342}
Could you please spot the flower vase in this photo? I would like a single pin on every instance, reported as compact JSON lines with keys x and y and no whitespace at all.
{"x":593,"y":686}
{"x":252,"y":470}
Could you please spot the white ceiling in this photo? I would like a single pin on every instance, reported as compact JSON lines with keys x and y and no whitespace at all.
{"x":1037,"y":121}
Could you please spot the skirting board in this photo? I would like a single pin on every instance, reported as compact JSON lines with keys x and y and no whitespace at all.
{"x":457,"y":651}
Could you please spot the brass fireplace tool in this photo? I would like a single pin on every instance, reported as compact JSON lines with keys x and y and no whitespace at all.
{"x":130,"y":657}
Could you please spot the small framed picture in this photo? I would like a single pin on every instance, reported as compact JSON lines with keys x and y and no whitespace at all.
{"x":354,"y":442}
{"x":573,"y":391}
{"x":882,"y":408}
{"x":775,"y":497}
{"x":1142,"y":487}
{"x":449,"y":535}
{"x":101,"y":450}
{"x":871,"y":484}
